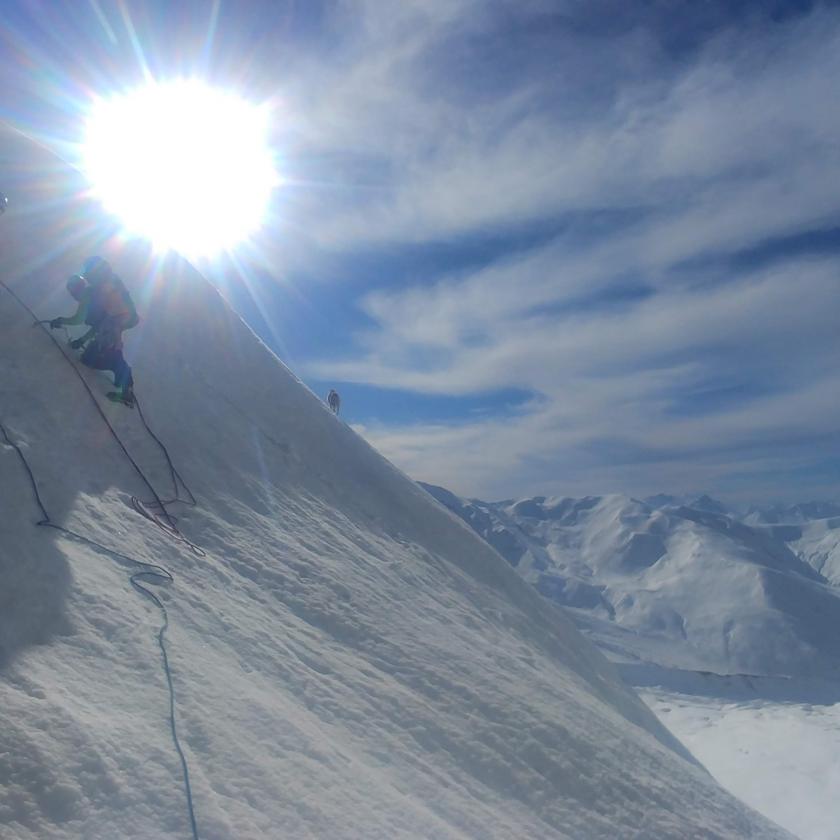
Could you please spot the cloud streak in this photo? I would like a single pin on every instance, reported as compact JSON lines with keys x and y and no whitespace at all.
{"x":747,"y":116}
{"x":660,"y":355}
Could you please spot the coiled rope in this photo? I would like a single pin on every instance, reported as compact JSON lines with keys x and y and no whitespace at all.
{"x":160,"y":516}
{"x":143,"y":508}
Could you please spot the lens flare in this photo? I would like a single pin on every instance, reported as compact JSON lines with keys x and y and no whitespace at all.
{"x":183,"y":164}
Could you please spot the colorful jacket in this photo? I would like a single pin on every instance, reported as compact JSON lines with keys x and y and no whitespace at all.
{"x":107,"y":308}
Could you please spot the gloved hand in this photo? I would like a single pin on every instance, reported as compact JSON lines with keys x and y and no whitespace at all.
{"x":77,"y":343}
{"x":56,"y":323}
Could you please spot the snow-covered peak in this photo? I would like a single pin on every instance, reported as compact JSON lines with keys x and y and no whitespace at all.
{"x":707,"y":503}
{"x":703,"y":502}
{"x":794,"y":514}
{"x":554,"y":508}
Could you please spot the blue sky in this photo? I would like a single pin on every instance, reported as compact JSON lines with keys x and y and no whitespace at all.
{"x":539,"y":246}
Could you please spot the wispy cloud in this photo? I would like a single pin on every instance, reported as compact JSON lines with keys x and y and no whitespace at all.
{"x":661,"y":349}
{"x":737,"y":117}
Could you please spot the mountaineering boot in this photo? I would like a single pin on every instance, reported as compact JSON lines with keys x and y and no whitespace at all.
{"x":126,"y":396}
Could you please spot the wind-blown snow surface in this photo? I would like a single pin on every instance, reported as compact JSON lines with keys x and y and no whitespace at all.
{"x":350,"y":660}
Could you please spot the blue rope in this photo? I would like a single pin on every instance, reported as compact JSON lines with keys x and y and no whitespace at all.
{"x":149,"y":572}
{"x":151,"y":576}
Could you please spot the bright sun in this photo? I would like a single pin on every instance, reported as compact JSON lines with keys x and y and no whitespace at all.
{"x":183,"y":164}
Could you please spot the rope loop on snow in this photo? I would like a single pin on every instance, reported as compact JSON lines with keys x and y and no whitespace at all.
{"x":148,"y":573}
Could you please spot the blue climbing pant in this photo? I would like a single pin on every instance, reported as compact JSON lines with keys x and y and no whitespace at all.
{"x":109,"y":358}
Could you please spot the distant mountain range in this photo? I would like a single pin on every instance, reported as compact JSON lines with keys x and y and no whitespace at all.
{"x":680,"y":582}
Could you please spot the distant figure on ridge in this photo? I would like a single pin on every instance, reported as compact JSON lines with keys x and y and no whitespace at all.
{"x":334,"y":401}
{"x":106,"y":307}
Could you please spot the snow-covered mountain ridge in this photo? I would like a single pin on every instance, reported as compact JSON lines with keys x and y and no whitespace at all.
{"x":349,"y":660}
{"x":685,"y":585}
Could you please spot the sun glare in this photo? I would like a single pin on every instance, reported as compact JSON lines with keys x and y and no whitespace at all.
{"x":183,"y":164}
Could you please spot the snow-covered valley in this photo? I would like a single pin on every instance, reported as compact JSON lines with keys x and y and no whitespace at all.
{"x":775,"y":752}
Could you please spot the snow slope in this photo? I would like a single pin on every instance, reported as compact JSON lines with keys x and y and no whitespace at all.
{"x":349,"y":660}
{"x":684,"y":587}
